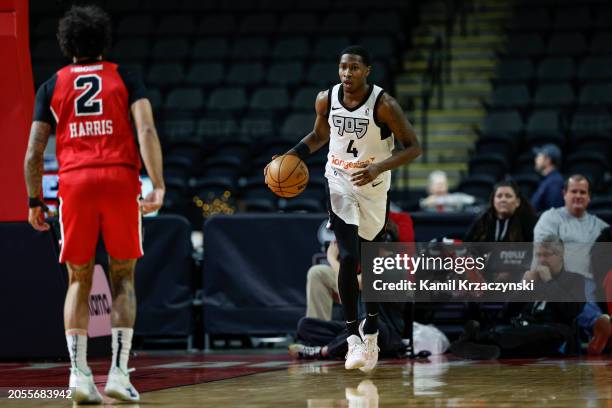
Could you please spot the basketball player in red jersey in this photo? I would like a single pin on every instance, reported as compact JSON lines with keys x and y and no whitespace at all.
{"x":93,"y":105}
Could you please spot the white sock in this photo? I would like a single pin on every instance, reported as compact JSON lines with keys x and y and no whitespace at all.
{"x":77,"y":347}
{"x":122,"y":343}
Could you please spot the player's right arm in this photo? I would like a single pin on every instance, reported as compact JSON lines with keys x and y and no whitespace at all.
{"x":319,"y":136}
{"x":150,"y":150}
{"x":34,"y":168}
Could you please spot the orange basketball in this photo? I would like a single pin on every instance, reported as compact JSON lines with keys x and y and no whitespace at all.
{"x":287,"y":176}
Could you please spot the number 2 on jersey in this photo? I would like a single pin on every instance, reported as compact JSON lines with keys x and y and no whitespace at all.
{"x":351,"y":149}
{"x":85,"y":104}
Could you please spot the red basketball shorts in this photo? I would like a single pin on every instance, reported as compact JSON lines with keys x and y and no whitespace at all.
{"x":100,"y":199}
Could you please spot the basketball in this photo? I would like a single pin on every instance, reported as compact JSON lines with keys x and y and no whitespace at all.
{"x":287,"y":176}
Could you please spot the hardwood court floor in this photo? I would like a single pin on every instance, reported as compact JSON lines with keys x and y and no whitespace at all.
{"x":253,"y":380}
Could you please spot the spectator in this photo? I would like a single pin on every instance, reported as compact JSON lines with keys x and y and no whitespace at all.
{"x":578,"y":229}
{"x":509,"y":217}
{"x":439,"y":199}
{"x":602,"y":269}
{"x":322,"y":285}
{"x":542,"y":328}
{"x":549,"y":192}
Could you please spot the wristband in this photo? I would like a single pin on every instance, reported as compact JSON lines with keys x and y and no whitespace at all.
{"x":302,"y":150}
{"x":34,"y":202}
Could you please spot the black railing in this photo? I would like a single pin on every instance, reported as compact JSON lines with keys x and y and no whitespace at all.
{"x":438,"y":71}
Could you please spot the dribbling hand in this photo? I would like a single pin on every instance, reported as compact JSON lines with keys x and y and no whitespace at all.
{"x":367,"y":175}
{"x":268,"y":165}
{"x":36,"y":218}
{"x":153,"y":201}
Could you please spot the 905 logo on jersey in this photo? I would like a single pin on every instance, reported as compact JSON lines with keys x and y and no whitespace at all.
{"x":358,"y":126}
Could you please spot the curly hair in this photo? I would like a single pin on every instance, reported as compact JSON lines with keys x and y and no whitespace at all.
{"x":84,"y":31}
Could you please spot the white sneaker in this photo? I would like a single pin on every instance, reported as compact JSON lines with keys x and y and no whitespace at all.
{"x":370,"y":342}
{"x":355,"y":357}
{"x":118,"y":385}
{"x":83,"y":387}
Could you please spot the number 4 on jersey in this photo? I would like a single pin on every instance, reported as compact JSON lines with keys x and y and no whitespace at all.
{"x":351,"y":149}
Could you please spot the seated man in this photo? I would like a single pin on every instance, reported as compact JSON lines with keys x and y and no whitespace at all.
{"x":322,"y":285}
{"x":542,"y":328}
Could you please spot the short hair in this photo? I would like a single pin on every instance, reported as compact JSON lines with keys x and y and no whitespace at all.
{"x":84,"y":31}
{"x":552,"y":242}
{"x":577,"y":177}
{"x":437,"y":175}
{"x":357,"y":50}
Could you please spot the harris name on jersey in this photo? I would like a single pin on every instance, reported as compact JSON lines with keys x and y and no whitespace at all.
{"x":90,"y":128}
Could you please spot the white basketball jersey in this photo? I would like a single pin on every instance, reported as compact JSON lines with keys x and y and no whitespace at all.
{"x":356,"y":139}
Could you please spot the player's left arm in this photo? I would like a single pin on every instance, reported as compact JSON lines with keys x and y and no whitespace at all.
{"x":390,"y":113}
{"x":34,"y":168}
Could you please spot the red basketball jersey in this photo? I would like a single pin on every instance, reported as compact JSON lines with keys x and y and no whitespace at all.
{"x":90,"y":103}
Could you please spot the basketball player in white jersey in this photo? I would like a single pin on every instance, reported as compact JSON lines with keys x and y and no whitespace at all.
{"x":359,"y":121}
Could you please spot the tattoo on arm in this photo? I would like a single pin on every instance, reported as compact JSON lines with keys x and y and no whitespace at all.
{"x":34,"y":160}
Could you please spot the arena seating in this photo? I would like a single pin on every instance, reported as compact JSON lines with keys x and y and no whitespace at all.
{"x":552,"y":86}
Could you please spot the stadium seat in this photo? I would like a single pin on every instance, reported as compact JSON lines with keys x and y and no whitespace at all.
{"x":178,"y":25}
{"x":556,"y":69}
{"x":323,"y":74}
{"x":171,"y":49}
{"x":165,"y":74}
{"x":387,"y":22}
{"x":527,"y":182}
{"x":142,"y":25}
{"x":589,"y":163}
{"x":270,"y":99}
{"x":131,"y":49}
{"x":503,"y":122}
{"x":544,"y":122}
{"x":596,"y":94}
{"x":230,"y":99}
{"x":525,"y":163}
{"x":260,"y":23}
{"x":217,"y":24}
{"x":532,"y":19}
{"x":576,"y":18}
{"x":510,"y":96}
{"x":501,"y":144}
{"x":206,"y":75}
{"x":182,"y":99}
{"x":328,"y":48}
{"x":479,"y":186}
{"x":285,"y":73}
{"x":514,"y":70}
{"x":211,"y":49}
{"x":601,"y":203}
{"x":591,"y":120}
{"x":304,"y":98}
{"x":595,"y":68}
{"x":601,"y":44}
{"x":600,"y":143}
{"x":245,"y":74}
{"x":555,"y":95}
{"x":379,"y":46}
{"x":493,"y":165}
{"x":340,"y":23}
{"x":565,"y":44}
{"x":525,"y":45}
{"x":300,"y":22}
{"x":297,"y":125}
{"x":292,"y":48}
{"x":258,"y":124}
{"x":250,"y":48}
{"x":217,"y":124}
